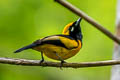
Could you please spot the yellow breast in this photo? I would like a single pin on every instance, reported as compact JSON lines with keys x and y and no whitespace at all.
{"x":50,"y":51}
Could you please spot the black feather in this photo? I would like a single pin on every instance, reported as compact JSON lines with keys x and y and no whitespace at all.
{"x":26,"y":47}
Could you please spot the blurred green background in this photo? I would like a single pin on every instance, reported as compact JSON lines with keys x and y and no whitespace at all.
{"x":24,"y":21}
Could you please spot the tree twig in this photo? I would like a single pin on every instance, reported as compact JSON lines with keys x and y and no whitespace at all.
{"x":25,"y":62}
{"x":88,"y":19}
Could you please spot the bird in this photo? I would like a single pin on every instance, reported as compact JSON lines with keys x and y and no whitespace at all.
{"x":61,"y":46}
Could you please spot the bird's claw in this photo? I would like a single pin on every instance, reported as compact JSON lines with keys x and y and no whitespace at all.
{"x":41,"y":61}
{"x":61,"y":64}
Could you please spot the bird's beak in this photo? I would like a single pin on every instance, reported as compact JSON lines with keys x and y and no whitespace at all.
{"x":78,"y":22}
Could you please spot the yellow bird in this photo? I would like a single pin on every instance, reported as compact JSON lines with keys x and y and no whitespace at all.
{"x":59,"y":47}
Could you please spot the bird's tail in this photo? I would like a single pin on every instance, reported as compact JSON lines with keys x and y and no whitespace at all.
{"x":24,"y":48}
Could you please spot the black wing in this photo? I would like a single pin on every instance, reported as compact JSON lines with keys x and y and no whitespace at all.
{"x":55,"y":40}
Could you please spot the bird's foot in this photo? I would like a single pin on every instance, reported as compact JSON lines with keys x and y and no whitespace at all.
{"x":61,"y":64}
{"x":41,"y":61}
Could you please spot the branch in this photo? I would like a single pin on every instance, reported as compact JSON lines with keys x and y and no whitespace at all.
{"x":25,"y":62}
{"x":88,"y":19}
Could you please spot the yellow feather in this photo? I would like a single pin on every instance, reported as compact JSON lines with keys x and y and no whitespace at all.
{"x":50,"y":50}
{"x":69,"y":43}
{"x":66,"y":29}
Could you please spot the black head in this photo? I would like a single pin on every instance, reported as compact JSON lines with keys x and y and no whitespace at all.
{"x":75,"y":30}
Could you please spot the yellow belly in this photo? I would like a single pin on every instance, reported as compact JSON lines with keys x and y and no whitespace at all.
{"x":51,"y":50}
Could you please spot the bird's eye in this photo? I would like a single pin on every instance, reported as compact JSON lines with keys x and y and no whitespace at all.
{"x":72,"y":29}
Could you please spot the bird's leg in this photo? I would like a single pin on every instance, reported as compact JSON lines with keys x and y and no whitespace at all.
{"x":42,"y":60}
{"x":62,"y":61}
